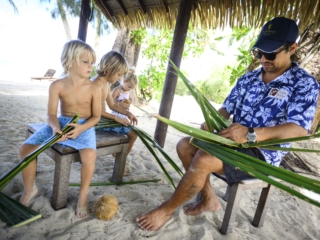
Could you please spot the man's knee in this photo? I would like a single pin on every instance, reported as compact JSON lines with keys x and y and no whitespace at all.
{"x":203,"y":160}
{"x":183,"y":145}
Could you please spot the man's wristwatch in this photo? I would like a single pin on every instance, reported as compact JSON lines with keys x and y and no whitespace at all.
{"x":251,"y":136}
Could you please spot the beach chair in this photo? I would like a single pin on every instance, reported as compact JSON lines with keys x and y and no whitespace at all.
{"x":233,"y":196}
{"x":47,"y":76}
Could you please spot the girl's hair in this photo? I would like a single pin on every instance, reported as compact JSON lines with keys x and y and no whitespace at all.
{"x":71,"y":53}
{"x":131,"y":77}
{"x":112,"y":62}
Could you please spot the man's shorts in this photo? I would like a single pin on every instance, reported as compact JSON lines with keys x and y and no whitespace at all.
{"x":87,"y":139}
{"x":233,"y":174}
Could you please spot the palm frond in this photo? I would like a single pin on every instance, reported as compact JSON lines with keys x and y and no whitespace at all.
{"x":12,"y":212}
{"x":98,"y":184}
{"x":149,"y":142}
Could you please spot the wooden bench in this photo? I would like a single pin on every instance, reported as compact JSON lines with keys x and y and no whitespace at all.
{"x":107,"y":143}
{"x":233,"y":197}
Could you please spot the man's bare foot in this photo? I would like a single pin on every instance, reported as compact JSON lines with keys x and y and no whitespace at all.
{"x":82,"y":208}
{"x":153,"y":220}
{"x":201,"y":206}
{"x":27,"y":196}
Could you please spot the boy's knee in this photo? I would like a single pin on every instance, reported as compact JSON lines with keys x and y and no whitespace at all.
{"x":25,"y":149}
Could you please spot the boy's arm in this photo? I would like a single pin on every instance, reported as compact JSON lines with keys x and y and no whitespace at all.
{"x":54,"y":91}
{"x":113,"y":106}
{"x":115,"y":93}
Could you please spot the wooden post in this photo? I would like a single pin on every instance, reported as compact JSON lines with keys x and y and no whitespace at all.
{"x":84,"y":18}
{"x":179,"y":37}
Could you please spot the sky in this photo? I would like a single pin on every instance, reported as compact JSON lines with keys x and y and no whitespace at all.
{"x":31,"y":42}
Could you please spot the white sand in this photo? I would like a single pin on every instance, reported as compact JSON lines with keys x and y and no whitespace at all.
{"x":25,"y":102}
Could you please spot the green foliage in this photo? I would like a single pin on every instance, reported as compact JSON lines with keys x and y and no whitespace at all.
{"x":155,"y":49}
{"x":216,"y":88}
{"x":93,"y":73}
{"x":181,"y":88}
{"x":245,"y":36}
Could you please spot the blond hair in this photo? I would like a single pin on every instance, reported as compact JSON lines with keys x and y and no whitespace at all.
{"x":72,"y":51}
{"x":112,"y":62}
{"x":131,"y":77}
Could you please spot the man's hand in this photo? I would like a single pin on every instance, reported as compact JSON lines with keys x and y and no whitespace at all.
{"x":204,"y":127}
{"x":235,"y":132}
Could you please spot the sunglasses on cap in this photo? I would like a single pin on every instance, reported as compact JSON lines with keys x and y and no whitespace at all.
{"x":269,"y":56}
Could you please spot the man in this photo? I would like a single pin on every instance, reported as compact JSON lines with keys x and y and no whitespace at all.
{"x":275,"y":101}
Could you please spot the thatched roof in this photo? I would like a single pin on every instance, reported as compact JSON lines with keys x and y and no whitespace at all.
{"x":208,"y":14}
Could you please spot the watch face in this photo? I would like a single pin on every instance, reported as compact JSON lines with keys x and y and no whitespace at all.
{"x":252,"y":137}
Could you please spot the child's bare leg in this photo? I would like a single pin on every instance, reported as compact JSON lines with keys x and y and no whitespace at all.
{"x":132,"y":138}
{"x":88,"y":159}
{"x":28,"y":174}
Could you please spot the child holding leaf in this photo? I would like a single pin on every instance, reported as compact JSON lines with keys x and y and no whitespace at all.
{"x":76,"y":94}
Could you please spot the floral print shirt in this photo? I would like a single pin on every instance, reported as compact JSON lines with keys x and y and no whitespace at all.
{"x":291,"y":97}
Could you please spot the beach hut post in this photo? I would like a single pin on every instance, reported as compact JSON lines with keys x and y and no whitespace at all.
{"x":85,"y":14}
{"x":179,"y":37}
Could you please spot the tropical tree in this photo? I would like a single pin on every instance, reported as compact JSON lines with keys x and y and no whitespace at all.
{"x":15,"y":9}
{"x":71,"y":8}
{"x":156,"y":48}
{"x":128,"y":43}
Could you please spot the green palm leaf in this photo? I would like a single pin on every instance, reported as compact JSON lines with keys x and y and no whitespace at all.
{"x":244,"y":163}
{"x":149,"y":142}
{"x":98,"y":184}
{"x":4,"y":180}
{"x":12,"y":212}
{"x":212,"y":117}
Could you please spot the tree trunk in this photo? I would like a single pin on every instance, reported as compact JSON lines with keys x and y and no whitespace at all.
{"x":125,"y":45}
{"x":308,"y":57}
{"x":98,"y":34}
{"x":64,"y":20}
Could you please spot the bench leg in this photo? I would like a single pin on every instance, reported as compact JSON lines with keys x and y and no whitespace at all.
{"x":262,"y":207}
{"x":232,"y":208}
{"x":120,"y":164}
{"x":61,"y":180}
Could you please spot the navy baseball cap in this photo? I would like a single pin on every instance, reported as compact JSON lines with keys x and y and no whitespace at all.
{"x":275,"y":33}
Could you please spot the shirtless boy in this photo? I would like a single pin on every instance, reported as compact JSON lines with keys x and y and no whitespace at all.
{"x":76,"y":94}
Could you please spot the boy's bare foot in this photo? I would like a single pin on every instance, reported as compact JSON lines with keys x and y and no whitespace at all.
{"x":114,"y":154}
{"x":82,"y":210}
{"x":153,"y":220}
{"x":196,"y":208}
{"x":27,"y":196}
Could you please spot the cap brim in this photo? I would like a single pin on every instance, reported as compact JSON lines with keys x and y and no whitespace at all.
{"x":268,"y":45}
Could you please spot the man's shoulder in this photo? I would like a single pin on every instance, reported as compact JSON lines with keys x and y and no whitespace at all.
{"x":250,"y":75}
{"x":301,"y":75}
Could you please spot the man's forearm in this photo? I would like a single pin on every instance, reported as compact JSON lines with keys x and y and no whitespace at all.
{"x":287,"y":130}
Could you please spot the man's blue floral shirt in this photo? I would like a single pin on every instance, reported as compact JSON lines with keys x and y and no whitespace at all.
{"x":291,"y":97}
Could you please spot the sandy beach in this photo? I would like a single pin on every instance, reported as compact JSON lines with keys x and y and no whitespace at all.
{"x":23,"y":102}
